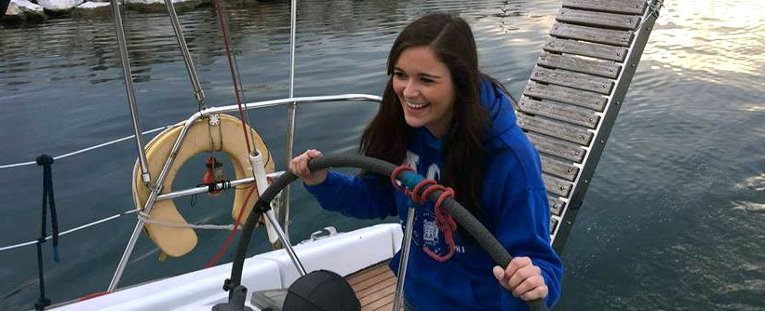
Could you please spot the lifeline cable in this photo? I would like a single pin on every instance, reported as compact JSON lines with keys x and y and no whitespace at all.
{"x":76,"y":152}
{"x":116,"y":216}
{"x":409,"y":179}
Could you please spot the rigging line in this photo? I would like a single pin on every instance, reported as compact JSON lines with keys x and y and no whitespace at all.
{"x":66,"y":155}
{"x":5,"y":248}
{"x":17,"y":291}
{"x":221,"y":19}
{"x":112,"y":217}
{"x":234,"y":228}
{"x":147,"y":219}
{"x":246,"y":114}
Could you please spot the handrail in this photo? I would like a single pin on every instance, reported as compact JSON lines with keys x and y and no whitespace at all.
{"x":297,"y":100}
{"x":219,"y":185}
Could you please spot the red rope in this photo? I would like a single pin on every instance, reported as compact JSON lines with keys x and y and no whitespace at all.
{"x":422,"y":198}
{"x":231,"y":234}
{"x":444,"y":222}
{"x":243,"y":118}
{"x":92,"y":295}
{"x":221,"y":18}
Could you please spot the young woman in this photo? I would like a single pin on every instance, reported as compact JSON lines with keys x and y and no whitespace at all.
{"x":451,"y":123}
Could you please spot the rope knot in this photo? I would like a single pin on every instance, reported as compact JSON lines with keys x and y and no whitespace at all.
{"x":444,"y":222}
{"x":44,"y":160}
{"x":421,"y":191}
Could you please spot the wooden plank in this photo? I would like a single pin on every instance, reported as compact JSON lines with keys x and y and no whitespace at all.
{"x":383,"y":292}
{"x":370,"y":272}
{"x":556,"y":204}
{"x":596,"y":50}
{"x":566,"y":95}
{"x":560,"y":130}
{"x":603,"y":68}
{"x":556,"y":185}
{"x":558,"y":148}
{"x":598,"y":19}
{"x":371,"y":281}
{"x":559,"y":168}
{"x":374,"y":286}
{"x":375,"y":291}
{"x":384,"y":304}
{"x":367,"y":273}
{"x":615,"y":6}
{"x":572,"y":79}
{"x":592,"y":34}
{"x":557,"y":111}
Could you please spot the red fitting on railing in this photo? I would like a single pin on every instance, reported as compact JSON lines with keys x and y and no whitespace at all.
{"x":422,"y":198}
{"x":394,"y":175}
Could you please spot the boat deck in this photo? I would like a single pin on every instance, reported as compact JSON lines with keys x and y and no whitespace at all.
{"x":375,"y":287}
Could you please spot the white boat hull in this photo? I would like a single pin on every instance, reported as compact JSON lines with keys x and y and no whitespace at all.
{"x":344,"y":253}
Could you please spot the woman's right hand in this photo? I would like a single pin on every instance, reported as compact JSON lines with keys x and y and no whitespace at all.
{"x":299,"y":167}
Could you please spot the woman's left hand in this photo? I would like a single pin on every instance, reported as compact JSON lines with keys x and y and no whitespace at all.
{"x":522,"y":278}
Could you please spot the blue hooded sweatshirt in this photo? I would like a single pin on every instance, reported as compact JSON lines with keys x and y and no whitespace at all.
{"x":515,"y":207}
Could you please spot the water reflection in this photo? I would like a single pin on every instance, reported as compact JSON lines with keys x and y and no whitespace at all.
{"x":710,"y":39}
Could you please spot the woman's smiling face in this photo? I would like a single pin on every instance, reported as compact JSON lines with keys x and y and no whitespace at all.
{"x":425,"y":88}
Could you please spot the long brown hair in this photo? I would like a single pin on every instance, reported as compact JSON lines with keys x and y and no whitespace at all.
{"x":387,"y":136}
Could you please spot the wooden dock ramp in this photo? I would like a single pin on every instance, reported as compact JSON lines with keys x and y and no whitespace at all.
{"x":575,"y":91}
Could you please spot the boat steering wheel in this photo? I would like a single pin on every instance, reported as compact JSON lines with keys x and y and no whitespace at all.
{"x":409,"y":179}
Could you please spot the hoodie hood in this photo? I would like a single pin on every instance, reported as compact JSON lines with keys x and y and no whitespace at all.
{"x":500,"y":110}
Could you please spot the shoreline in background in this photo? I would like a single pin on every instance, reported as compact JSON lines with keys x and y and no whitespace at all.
{"x":20,"y":13}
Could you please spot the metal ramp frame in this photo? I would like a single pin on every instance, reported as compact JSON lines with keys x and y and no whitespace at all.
{"x":575,"y":91}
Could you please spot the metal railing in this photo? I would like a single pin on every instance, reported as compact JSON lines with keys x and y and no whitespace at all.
{"x":157,"y":185}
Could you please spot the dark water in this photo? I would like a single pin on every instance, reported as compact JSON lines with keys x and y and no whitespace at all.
{"x":673,"y":219}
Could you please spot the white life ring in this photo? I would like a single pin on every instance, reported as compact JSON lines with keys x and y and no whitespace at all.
{"x":227,"y":136}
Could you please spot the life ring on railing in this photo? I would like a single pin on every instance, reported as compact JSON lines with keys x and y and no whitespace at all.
{"x":204,"y":135}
